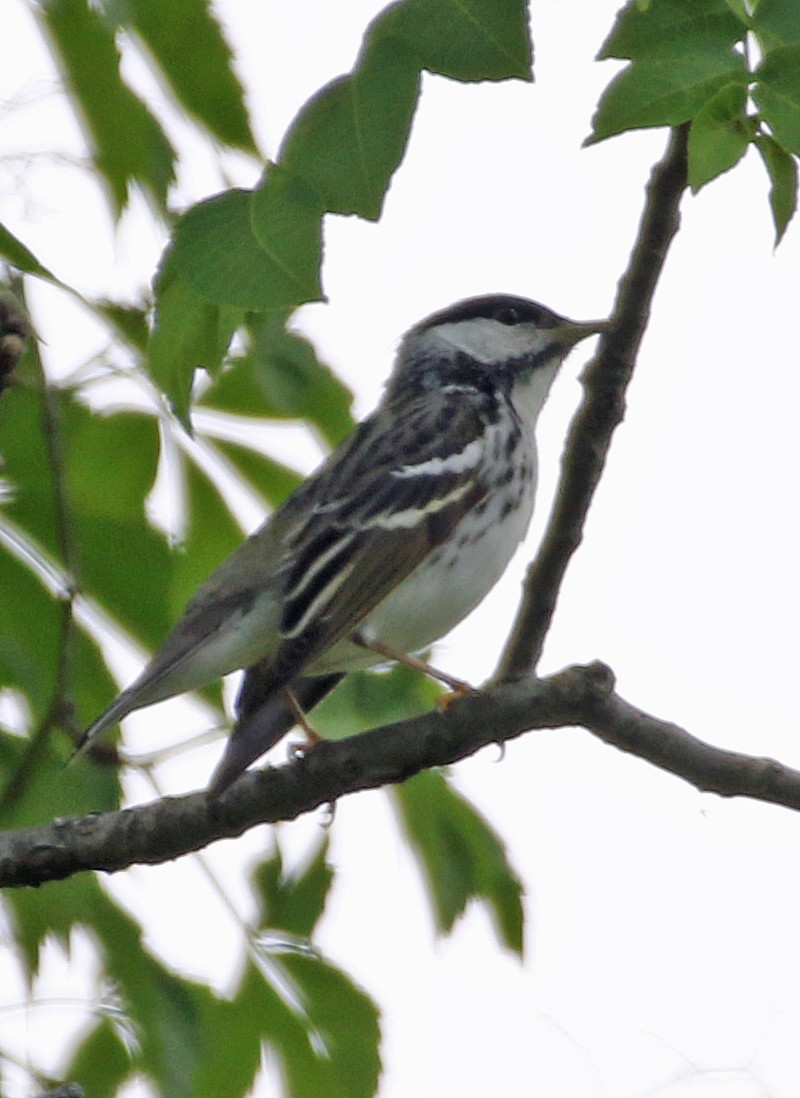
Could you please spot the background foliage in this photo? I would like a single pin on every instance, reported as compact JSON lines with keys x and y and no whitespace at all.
{"x":79,"y":552}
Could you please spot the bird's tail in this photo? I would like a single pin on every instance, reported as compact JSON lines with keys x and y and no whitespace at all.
{"x":261,"y":724}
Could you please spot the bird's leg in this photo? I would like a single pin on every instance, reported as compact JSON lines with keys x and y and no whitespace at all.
{"x":458,"y":686}
{"x":312,"y":736}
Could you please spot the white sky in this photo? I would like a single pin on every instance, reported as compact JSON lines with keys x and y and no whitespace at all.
{"x":663,"y":950}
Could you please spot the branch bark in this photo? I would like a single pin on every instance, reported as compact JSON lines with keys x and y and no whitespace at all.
{"x":583,"y":696}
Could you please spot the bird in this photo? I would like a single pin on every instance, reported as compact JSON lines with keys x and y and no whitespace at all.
{"x":397,"y":537}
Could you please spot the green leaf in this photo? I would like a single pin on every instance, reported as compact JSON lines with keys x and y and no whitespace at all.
{"x":128,"y":144}
{"x":367,"y":699}
{"x":682,"y":54}
{"x":101,"y":1063}
{"x":217,"y":252}
{"x":20,"y":256}
{"x":293,"y":903}
{"x":463,"y":39}
{"x":273,"y":480}
{"x":462,"y":857}
{"x":29,"y":630}
{"x":187,"y":42}
{"x":190,"y":332}
{"x":295,"y":384}
{"x":776,"y":23}
{"x":344,"y":1021}
{"x":129,"y":322}
{"x":234,"y":1033}
{"x":49,"y":911}
{"x":349,"y":139}
{"x":719,"y":135}
{"x":165,"y":1011}
{"x":777,"y":94}
{"x":286,"y":217}
{"x":782,"y":169}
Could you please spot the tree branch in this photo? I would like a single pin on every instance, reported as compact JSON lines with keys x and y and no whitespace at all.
{"x":605,"y":381}
{"x":168,"y":828}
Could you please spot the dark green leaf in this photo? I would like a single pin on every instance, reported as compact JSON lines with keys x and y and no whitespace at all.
{"x":187,"y":42}
{"x":218,"y":254}
{"x":782,"y":169}
{"x":165,"y":1011}
{"x":29,"y":630}
{"x":293,"y":903}
{"x":295,"y":384}
{"x":345,"y":1023}
{"x":349,"y":138}
{"x":463,"y":39}
{"x":461,"y":856}
{"x":234,"y":1033}
{"x":20,"y":256}
{"x":189,"y":333}
{"x":286,"y":217}
{"x":128,"y":321}
{"x":53,"y":909}
{"x":273,"y":480}
{"x":719,"y":135}
{"x":367,"y":699}
{"x":101,"y":1063}
{"x":682,"y":53}
{"x":777,"y":94}
{"x":776,"y":23}
{"x":127,"y":142}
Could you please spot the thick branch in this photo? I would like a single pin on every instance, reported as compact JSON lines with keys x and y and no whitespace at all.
{"x":605,"y":381}
{"x":585,"y":696}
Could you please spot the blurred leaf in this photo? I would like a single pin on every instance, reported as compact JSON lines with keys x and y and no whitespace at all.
{"x":187,"y":42}
{"x":189,"y":332}
{"x":367,"y":699}
{"x":29,"y":632}
{"x":128,"y":321}
{"x":682,"y":54}
{"x":782,"y":169}
{"x":776,"y":23}
{"x":165,"y":1011}
{"x":273,"y":480}
{"x":719,"y":135}
{"x":101,"y":1063}
{"x":280,"y":377}
{"x":293,"y":903}
{"x":44,"y":789}
{"x":212,"y":534}
{"x":235,"y":1031}
{"x":348,"y":140}
{"x":217,"y":252}
{"x":295,"y":384}
{"x":777,"y":94}
{"x":344,"y":1021}
{"x":461,"y":856}
{"x":463,"y":39}
{"x":127,"y":142}
{"x":20,"y":256}
{"x":52,"y":909}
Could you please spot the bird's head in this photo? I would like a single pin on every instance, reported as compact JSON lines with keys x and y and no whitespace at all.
{"x":494,"y":339}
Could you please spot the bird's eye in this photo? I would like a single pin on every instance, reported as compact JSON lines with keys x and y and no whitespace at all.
{"x":507,"y":315}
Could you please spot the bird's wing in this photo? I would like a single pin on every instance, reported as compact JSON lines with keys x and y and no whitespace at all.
{"x":379,"y":509}
{"x":339,"y":545}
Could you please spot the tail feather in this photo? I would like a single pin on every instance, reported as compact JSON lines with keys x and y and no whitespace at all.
{"x":261,"y":724}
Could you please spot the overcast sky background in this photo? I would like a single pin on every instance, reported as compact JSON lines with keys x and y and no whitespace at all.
{"x":662,"y":923}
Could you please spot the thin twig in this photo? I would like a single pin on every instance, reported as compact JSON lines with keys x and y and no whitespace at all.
{"x":605,"y":381}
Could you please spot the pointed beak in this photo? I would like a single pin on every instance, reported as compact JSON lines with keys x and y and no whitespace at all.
{"x":571,"y":332}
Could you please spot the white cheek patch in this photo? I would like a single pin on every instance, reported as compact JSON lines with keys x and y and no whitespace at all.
{"x":489,"y":341}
